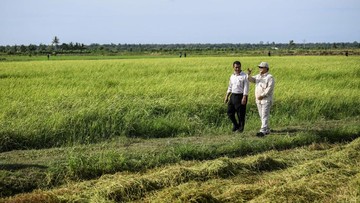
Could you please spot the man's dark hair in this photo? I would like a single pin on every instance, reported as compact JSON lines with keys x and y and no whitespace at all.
{"x":237,"y":63}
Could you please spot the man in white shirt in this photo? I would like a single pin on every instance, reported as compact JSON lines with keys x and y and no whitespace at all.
{"x":238,"y":89}
{"x":264,"y":90}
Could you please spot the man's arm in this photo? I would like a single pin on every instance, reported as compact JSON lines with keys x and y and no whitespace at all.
{"x":246,"y":92}
{"x":228,"y":92}
{"x":227,"y":97}
{"x":269,"y":88}
{"x":249,"y":77}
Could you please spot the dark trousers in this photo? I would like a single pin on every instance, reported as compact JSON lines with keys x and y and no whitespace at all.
{"x":235,"y":107}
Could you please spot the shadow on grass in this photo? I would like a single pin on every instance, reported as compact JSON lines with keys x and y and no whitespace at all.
{"x":323,"y":135}
{"x":287,"y":131}
{"x":13,"y":167}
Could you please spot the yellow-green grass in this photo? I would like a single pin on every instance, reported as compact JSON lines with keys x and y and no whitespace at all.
{"x":58,"y":103}
{"x":111,"y":105}
{"x":25,"y":170}
{"x":314,"y":173}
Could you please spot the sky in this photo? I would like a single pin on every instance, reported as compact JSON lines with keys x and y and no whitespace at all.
{"x":178,"y":21}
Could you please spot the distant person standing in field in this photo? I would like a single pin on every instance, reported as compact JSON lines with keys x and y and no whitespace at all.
{"x":238,"y":89}
{"x":264,"y":89}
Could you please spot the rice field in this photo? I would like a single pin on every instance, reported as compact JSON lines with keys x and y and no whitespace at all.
{"x":156,"y":130}
{"x":59,"y":103}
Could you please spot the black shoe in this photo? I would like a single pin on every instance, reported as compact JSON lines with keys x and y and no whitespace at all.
{"x":235,"y":128}
{"x":240,"y":130}
{"x":260,"y":134}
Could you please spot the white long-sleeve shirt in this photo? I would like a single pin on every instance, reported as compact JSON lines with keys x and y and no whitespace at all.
{"x":264,"y":86}
{"x":238,"y":84}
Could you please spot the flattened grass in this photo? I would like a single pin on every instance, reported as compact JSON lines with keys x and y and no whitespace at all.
{"x":303,"y":174}
{"x":53,"y":167}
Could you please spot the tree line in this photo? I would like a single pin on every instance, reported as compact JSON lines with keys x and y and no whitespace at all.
{"x":205,"y":48}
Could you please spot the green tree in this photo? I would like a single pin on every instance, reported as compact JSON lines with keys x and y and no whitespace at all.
{"x":23,"y":49}
{"x":31,"y":48}
{"x":42,"y":48}
{"x":56,"y":41}
{"x":291,"y":44}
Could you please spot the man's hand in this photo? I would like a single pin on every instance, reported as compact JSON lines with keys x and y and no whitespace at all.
{"x":244,"y":100}
{"x":249,"y":71}
{"x":260,"y":97}
{"x":226,"y":100}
